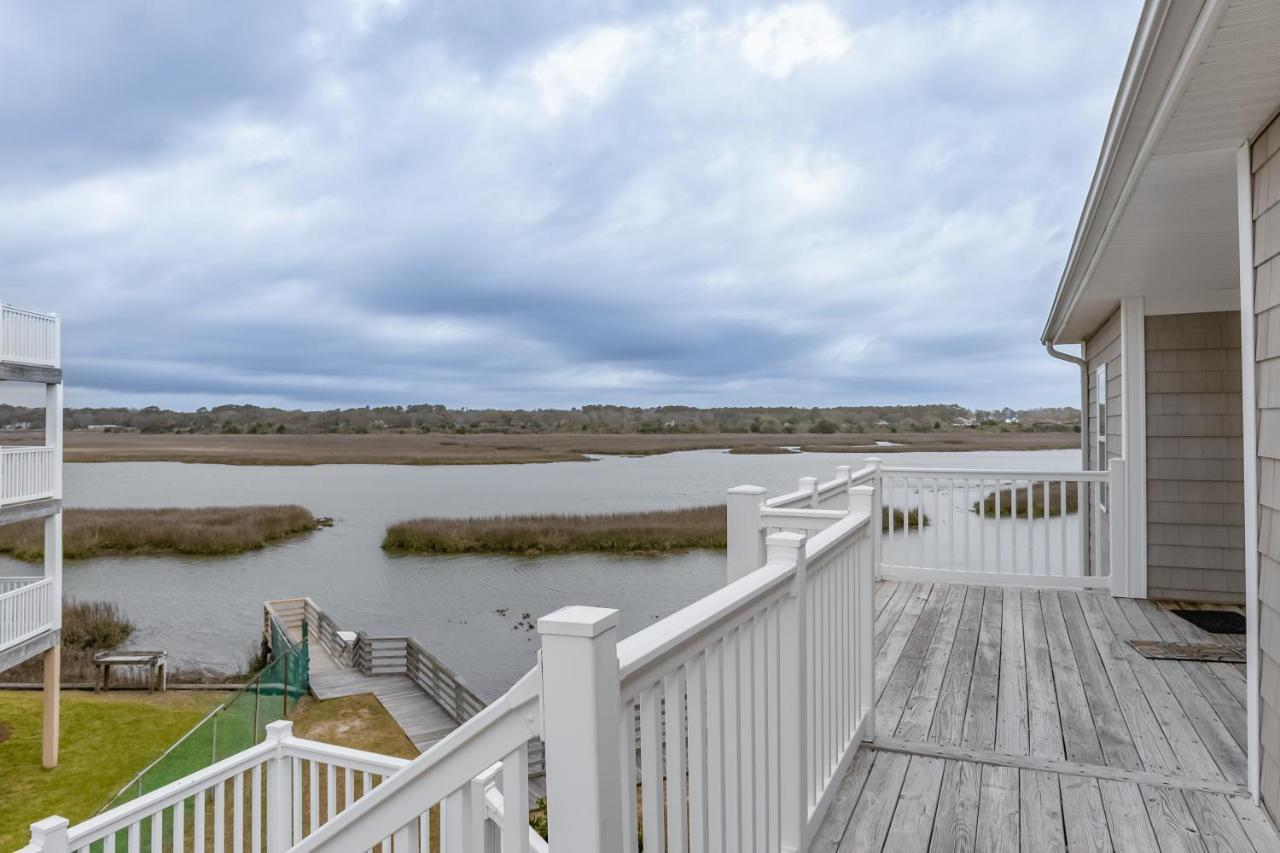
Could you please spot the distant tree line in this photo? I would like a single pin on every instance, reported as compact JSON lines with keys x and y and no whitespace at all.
{"x":428,"y":417}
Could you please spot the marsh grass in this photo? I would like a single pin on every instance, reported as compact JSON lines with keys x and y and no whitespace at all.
{"x":661,"y":531}
{"x":628,"y":532}
{"x":204,"y":531}
{"x":903,"y":519}
{"x":1009,"y":506}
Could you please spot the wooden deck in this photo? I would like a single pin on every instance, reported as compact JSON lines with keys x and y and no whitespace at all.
{"x":1018,"y":719}
{"x":423,"y":720}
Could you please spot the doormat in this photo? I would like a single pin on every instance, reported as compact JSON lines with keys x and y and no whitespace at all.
{"x":1214,"y":621}
{"x":1186,"y":651}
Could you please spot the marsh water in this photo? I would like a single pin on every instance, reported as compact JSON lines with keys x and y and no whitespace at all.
{"x":473,"y":612}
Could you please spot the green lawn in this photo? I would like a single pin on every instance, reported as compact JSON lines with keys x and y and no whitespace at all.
{"x":106,"y":739}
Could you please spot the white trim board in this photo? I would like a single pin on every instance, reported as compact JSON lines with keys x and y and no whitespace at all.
{"x":1131,"y":576}
{"x":1191,"y":302}
{"x":1249,"y":407}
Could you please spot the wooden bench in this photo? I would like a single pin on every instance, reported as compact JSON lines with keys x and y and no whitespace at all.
{"x":155,"y":661}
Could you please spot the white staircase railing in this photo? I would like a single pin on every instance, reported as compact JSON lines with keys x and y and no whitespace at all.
{"x":274,"y":796}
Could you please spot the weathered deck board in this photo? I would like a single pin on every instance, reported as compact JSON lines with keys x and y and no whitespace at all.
{"x":423,"y":721}
{"x":1022,"y":720}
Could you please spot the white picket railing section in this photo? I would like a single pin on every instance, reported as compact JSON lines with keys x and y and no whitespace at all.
{"x":27,"y":474}
{"x":990,"y":526}
{"x":28,"y":337}
{"x":26,"y":609}
{"x":751,"y":701}
{"x":272,"y":797}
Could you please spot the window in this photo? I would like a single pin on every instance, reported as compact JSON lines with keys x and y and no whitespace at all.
{"x":1100,"y":418}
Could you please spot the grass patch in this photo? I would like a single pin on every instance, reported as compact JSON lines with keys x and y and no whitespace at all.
{"x":356,"y":722}
{"x":903,"y":519}
{"x":759,"y":449}
{"x":206,"y":531}
{"x":106,"y":739}
{"x":630,"y":532}
{"x":1017,"y":504}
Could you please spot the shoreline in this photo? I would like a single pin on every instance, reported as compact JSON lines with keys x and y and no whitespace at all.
{"x":503,"y":448}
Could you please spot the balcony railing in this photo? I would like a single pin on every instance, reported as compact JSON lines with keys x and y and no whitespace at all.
{"x":27,"y":608}
{"x":27,"y":337}
{"x":28,"y":474}
{"x":728,"y":725}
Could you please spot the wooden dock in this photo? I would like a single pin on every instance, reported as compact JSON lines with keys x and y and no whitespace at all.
{"x":420,"y":717}
{"x":1020,"y":719}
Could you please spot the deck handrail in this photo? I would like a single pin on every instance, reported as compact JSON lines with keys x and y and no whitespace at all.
{"x":445,"y":772}
{"x":27,"y":610}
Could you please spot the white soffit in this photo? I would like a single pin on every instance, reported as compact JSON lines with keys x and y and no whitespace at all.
{"x":1177,"y":232}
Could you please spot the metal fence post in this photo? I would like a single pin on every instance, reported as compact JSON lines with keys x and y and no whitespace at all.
{"x":580,"y":713}
{"x":745,"y":547}
{"x":793,"y":709}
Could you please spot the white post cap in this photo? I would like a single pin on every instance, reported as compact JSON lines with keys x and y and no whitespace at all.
{"x":578,"y":620}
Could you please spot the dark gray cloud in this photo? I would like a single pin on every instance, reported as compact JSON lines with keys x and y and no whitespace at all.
{"x":549,"y":203}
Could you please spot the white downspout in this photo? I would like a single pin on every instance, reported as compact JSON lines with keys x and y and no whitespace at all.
{"x":1086,"y":517}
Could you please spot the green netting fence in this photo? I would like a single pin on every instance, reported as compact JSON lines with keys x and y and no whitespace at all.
{"x":236,"y":724}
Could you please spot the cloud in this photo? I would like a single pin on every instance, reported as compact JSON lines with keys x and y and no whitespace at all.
{"x":535,"y":204}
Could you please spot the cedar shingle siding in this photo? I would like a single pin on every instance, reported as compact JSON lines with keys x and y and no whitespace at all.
{"x":1266,"y":247}
{"x":1104,"y":348}
{"x":1195,"y":471}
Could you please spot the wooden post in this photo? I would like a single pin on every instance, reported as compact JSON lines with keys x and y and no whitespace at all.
{"x":745,"y":552}
{"x":279,"y":795}
{"x":50,"y":835}
{"x":580,"y":713}
{"x":52,"y":693}
{"x":793,"y":710}
{"x":810,"y":485}
{"x":1123,"y":572}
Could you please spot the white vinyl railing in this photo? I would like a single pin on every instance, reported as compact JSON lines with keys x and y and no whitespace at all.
{"x":26,"y":609}
{"x":27,"y":337}
{"x":28,"y":474}
{"x":273,"y":797}
{"x":989,"y":526}
{"x":751,"y":701}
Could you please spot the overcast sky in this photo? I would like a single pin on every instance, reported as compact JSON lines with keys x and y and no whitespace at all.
{"x":551,"y":203}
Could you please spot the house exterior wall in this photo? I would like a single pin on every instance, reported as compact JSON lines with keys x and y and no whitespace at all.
{"x":1195,"y":449}
{"x":1103,"y":348}
{"x":1266,"y":260}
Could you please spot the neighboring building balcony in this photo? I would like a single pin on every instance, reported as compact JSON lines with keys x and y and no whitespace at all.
{"x":27,"y":474}
{"x":28,"y":337}
{"x":27,"y":609}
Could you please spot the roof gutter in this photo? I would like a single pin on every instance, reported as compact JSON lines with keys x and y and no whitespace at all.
{"x":1083,"y":259}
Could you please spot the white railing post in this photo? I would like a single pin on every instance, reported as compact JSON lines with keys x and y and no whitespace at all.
{"x":50,"y":835}
{"x":860,"y":500}
{"x":581,"y":707}
{"x":1124,"y":575}
{"x":793,"y":710}
{"x":745,"y":551}
{"x":279,"y":796}
{"x":809,"y":485}
{"x":877,"y":515}
{"x":463,"y":820}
